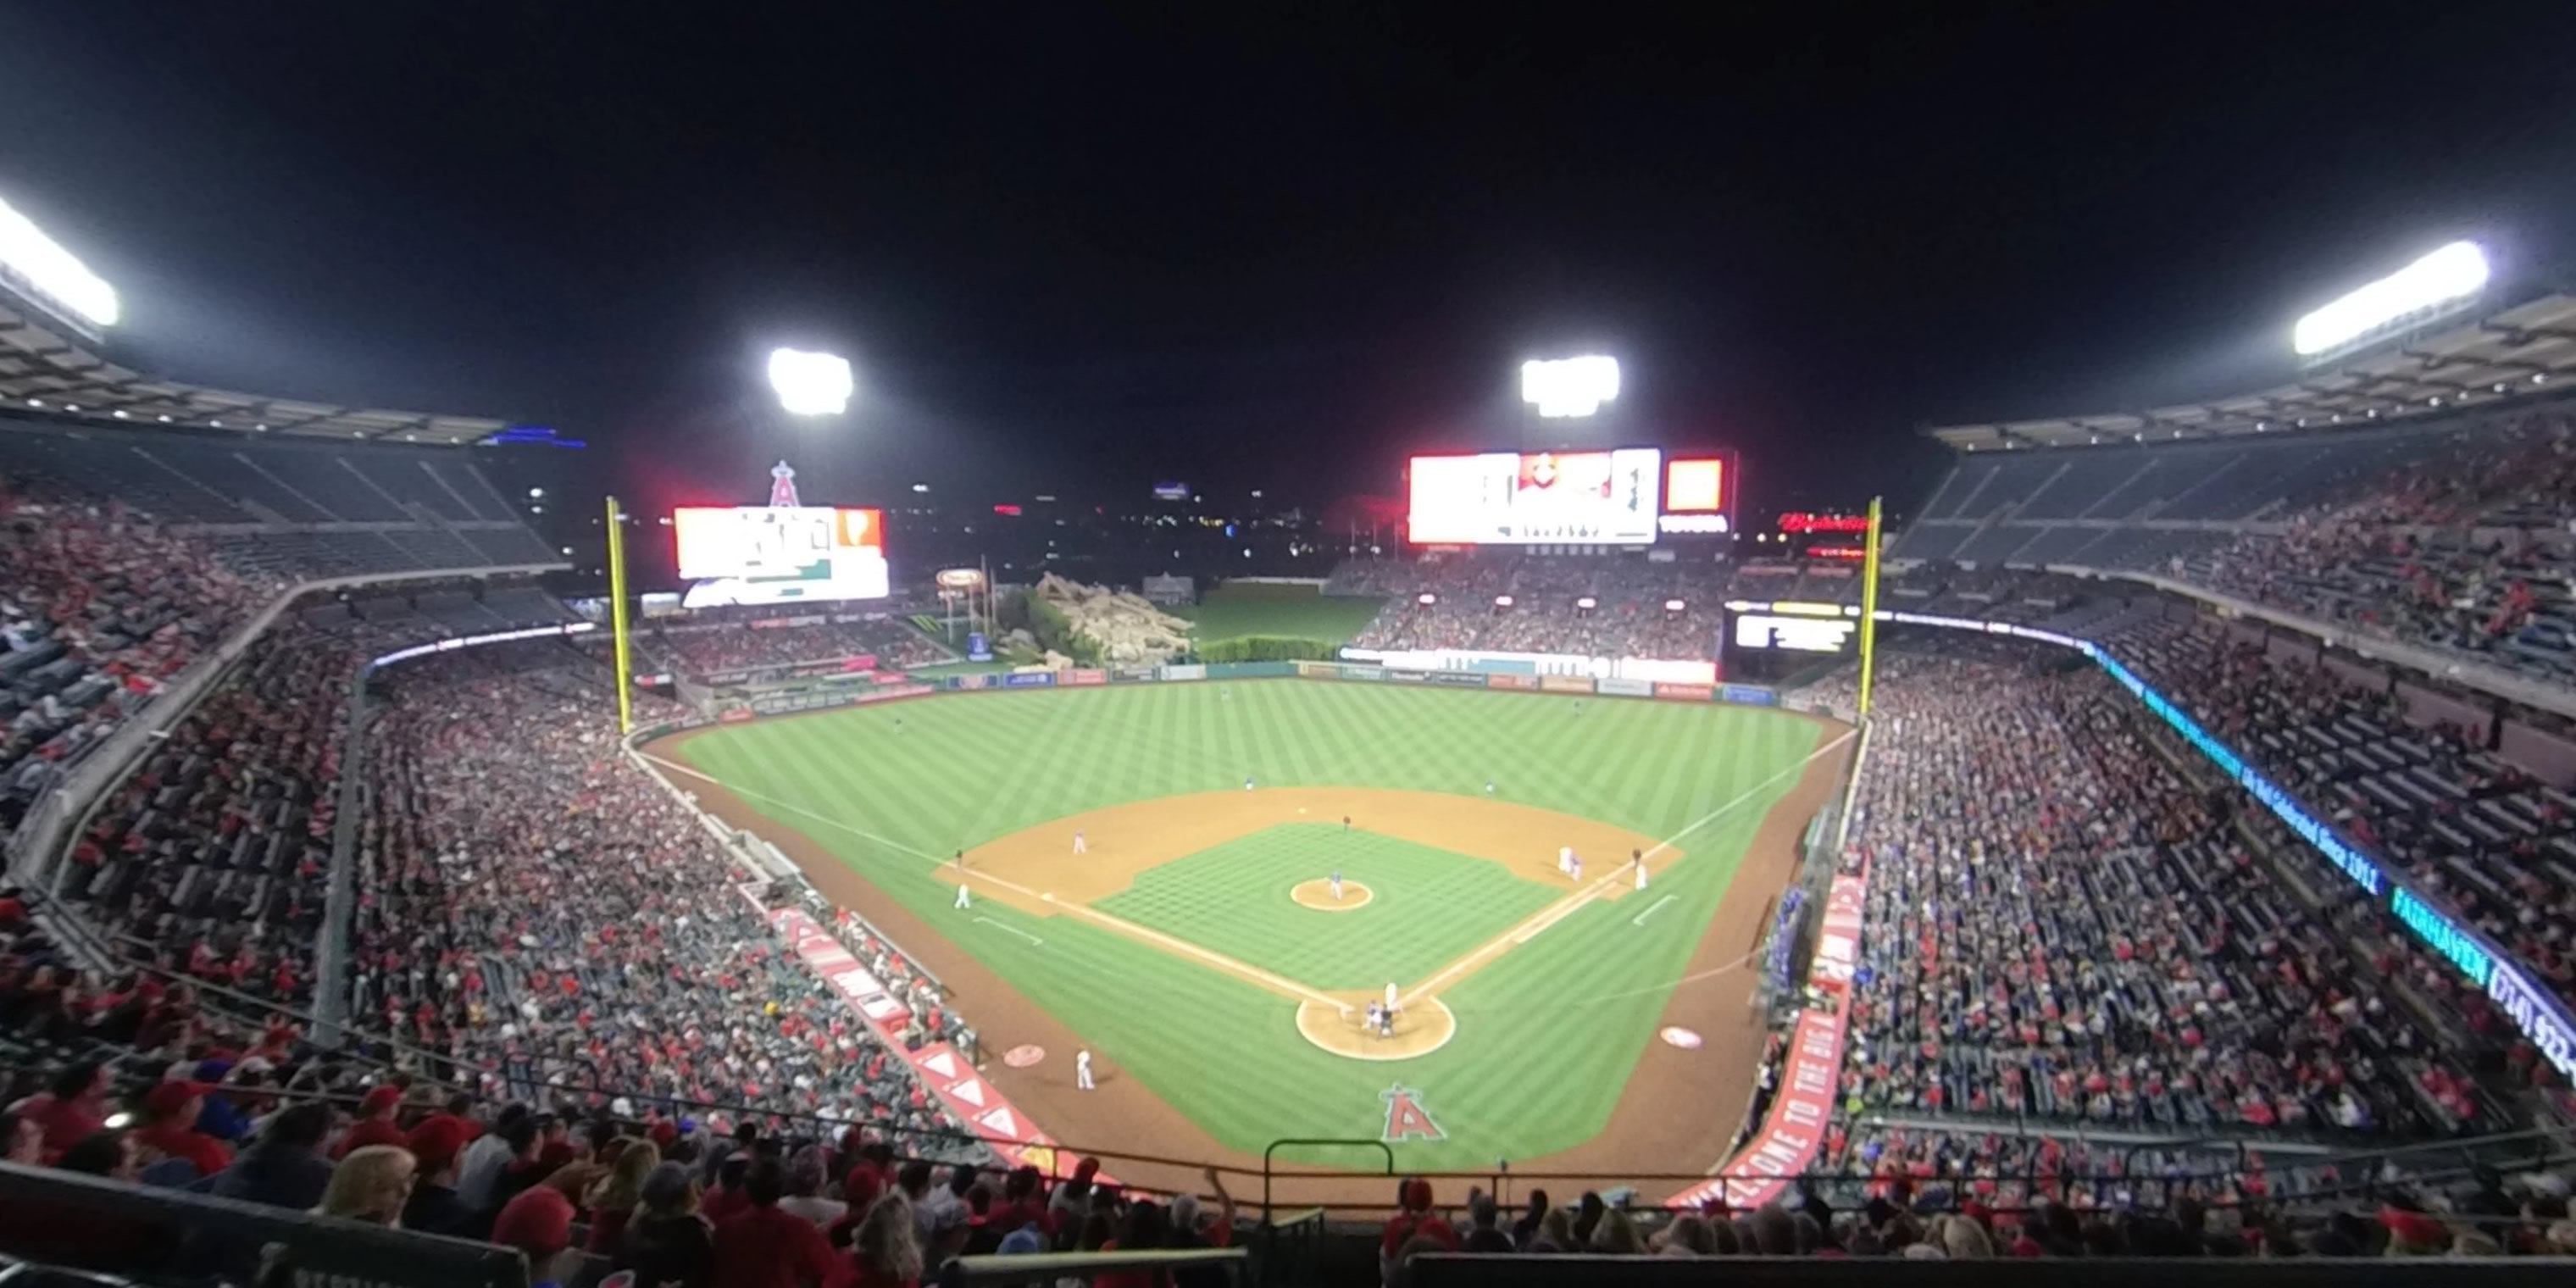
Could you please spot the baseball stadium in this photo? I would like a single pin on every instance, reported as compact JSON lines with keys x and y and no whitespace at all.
{"x":457,"y":851}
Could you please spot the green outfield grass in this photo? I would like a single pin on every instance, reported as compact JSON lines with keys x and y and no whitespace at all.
{"x":1237,"y":609}
{"x":1547,"y":1032}
{"x":1427,"y":906}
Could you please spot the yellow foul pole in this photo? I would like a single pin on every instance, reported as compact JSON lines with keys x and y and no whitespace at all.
{"x":617,"y":618}
{"x":1868,"y":608}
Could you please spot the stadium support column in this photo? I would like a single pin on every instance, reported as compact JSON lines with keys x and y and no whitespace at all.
{"x":617,"y":618}
{"x":1869,"y":607}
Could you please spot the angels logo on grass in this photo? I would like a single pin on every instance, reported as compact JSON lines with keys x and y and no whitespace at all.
{"x":1406,"y":1119}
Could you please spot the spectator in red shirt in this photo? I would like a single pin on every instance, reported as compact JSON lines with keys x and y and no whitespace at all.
{"x":70,"y":1110}
{"x":1416,"y":1221}
{"x":375,"y":1125}
{"x":763,"y":1247}
{"x":173,"y":1108}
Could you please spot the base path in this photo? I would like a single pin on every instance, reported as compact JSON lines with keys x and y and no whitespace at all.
{"x":1678,"y":1114}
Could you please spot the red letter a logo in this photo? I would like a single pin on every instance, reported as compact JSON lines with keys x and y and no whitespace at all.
{"x":1406,"y":1119}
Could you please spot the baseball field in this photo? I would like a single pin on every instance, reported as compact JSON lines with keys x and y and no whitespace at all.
{"x":1194,"y":944}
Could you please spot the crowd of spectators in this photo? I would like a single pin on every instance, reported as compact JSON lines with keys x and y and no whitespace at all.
{"x":2059,"y":928}
{"x":2470,"y":830}
{"x":2471,"y":550}
{"x":209,"y":859}
{"x":182,"y":1100}
{"x":1630,"y":612}
{"x":701,"y":650}
{"x":98,"y":609}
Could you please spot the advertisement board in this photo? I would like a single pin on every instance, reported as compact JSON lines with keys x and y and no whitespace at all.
{"x":780,"y":554}
{"x":1565,"y":684}
{"x":971,"y":681}
{"x":1751,"y":695}
{"x":1077,"y":678}
{"x":1192,"y":671}
{"x":1131,"y":672}
{"x":1028,"y":679}
{"x":1408,"y":677}
{"x":1619,"y":686}
{"x":1360,"y":672}
{"x":1459,"y":679}
{"x":1511,"y":681}
{"x":1526,"y":498}
{"x":1685,"y":692}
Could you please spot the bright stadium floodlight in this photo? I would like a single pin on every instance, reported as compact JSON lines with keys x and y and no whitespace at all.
{"x":810,"y":384}
{"x":55,"y":273}
{"x":1569,"y":386}
{"x":2452,"y":273}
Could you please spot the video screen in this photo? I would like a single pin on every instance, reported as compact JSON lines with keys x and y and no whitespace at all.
{"x":1531,"y":498}
{"x":1794,"y":634}
{"x":777,"y":555}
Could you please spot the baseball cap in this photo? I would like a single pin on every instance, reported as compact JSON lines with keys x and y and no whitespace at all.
{"x":436,"y":1142}
{"x":171,"y":1097}
{"x":538,"y":1222}
{"x":665,"y":1185}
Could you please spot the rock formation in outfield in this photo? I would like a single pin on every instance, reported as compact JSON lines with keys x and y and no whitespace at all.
{"x":1128,"y":628}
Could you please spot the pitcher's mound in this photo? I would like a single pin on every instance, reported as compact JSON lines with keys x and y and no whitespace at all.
{"x":1318,"y":895}
{"x":1425,"y":1026}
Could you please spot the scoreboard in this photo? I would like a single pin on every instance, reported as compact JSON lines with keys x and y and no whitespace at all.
{"x":781,"y":554}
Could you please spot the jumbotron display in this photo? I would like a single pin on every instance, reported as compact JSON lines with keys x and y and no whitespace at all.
{"x":781,"y":554}
{"x":1530,"y":498}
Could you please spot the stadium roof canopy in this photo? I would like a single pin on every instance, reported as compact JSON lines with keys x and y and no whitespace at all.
{"x":2525,"y":350}
{"x":42,"y":371}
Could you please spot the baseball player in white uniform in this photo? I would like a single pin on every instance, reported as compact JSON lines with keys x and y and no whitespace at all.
{"x":1564,"y":859}
{"x":1082,"y":1070}
{"x":1390,"y":996}
{"x":1337,"y":885}
{"x":1079,"y":847}
{"x":1641,"y":876}
{"x":1247,"y":782}
{"x":1574,"y":868}
{"x":963,"y":899}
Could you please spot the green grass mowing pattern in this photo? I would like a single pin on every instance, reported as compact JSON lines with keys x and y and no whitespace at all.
{"x":1233,"y":611}
{"x":1427,"y":907}
{"x":1547,"y":1033}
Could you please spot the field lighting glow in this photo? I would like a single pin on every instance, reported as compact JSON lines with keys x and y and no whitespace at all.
{"x":27,"y":254}
{"x":810,"y":384}
{"x":1564,"y":387}
{"x":2452,"y":273}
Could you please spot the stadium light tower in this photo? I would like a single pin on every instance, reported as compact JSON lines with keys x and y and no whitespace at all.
{"x":810,"y":384}
{"x":52,"y":275}
{"x":1566,"y":387}
{"x":2449,"y":276}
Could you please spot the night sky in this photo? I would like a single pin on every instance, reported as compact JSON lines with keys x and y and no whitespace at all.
{"x":1076,"y":250}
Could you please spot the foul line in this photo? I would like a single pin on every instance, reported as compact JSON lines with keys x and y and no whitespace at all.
{"x":1275,"y":983}
{"x":1012,"y":930}
{"x":1565,"y":907}
{"x":1651,"y":910}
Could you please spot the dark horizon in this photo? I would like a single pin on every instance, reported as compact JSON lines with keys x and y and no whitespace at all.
{"x":1081,"y":252}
